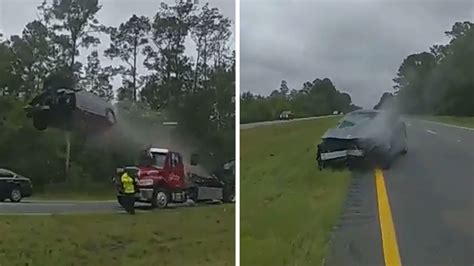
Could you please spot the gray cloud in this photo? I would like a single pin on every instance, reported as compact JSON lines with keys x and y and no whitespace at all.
{"x":358,"y":44}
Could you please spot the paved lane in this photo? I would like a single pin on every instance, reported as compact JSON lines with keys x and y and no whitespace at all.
{"x":47,"y":207}
{"x":431,"y":193}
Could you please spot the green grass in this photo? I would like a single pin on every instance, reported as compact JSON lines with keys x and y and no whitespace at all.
{"x":466,"y":121}
{"x":182,"y":236}
{"x":288,"y":206}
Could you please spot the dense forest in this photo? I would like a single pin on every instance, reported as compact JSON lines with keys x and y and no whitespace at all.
{"x":439,"y":81}
{"x":198,"y":92}
{"x":319,"y":97}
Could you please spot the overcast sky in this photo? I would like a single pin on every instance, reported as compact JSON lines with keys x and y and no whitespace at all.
{"x":15,"y":14}
{"x":358,"y":44}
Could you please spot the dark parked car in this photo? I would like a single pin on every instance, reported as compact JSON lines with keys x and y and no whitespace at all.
{"x":377,"y":136}
{"x":14,"y":186}
{"x":69,"y":109}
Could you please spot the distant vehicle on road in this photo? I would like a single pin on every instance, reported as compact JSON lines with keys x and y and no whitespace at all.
{"x":14,"y":186}
{"x":69,"y":109}
{"x":286,"y":115}
{"x":377,"y":136}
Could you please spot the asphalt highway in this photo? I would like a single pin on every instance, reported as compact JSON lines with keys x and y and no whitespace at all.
{"x":431,"y":197}
{"x":48,"y":207}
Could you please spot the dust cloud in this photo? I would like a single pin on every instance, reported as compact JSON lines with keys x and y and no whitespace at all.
{"x":145,"y":128}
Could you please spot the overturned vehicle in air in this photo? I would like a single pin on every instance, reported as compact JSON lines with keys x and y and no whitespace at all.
{"x":372,"y":136}
{"x":70,"y":109}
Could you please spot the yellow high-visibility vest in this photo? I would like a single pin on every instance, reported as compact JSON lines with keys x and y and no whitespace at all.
{"x":127,"y":183}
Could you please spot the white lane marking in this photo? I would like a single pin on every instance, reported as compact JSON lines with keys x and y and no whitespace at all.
{"x":431,"y":131}
{"x":447,"y":125}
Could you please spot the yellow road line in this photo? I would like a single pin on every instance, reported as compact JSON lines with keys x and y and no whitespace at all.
{"x":387,"y":229}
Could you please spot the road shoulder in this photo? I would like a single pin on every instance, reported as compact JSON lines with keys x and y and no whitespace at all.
{"x":356,"y":240}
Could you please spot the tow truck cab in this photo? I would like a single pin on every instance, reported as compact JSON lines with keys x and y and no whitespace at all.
{"x":161,"y":167}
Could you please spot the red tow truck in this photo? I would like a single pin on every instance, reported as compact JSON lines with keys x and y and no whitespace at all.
{"x":162,"y":179}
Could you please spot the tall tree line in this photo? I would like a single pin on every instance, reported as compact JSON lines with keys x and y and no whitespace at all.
{"x":439,"y":81}
{"x":197,"y":91}
{"x":319,"y":97}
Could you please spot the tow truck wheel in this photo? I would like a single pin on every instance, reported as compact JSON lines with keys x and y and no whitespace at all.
{"x":160,"y":199}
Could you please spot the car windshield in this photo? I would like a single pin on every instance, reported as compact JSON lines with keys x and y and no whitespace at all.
{"x":345,"y":123}
{"x":159,"y":159}
{"x":353,"y":119}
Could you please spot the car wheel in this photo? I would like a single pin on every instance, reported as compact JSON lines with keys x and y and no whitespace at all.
{"x":404,"y":144}
{"x":15,"y":195}
{"x":160,"y":199}
{"x":111,"y":117}
{"x":384,"y":157}
{"x":319,"y":160}
{"x":385,"y":163}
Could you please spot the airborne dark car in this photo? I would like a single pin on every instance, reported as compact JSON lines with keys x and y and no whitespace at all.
{"x":376,"y":136}
{"x":69,"y":109}
{"x":14,"y":186}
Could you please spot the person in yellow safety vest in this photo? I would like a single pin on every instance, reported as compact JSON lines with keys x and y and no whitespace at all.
{"x":128,"y":190}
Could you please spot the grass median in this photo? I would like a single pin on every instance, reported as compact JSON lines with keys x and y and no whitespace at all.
{"x":288,"y":207}
{"x":182,"y":236}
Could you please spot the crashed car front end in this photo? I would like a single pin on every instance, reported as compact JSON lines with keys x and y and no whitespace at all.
{"x":336,"y":150}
